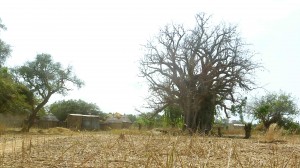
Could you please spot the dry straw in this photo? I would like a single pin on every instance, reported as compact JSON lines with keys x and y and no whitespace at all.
{"x":125,"y":148}
{"x":273,"y":134}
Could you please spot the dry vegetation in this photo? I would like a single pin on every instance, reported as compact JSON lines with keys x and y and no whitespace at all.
{"x":60,"y":147}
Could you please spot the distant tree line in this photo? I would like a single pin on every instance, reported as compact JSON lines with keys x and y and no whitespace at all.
{"x":62,"y":108}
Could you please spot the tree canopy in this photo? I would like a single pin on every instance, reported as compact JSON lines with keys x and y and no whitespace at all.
{"x":275,"y":108}
{"x":197,"y":69}
{"x":4,"y":48}
{"x":44,"y":77}
{"x":61,"y":109}
{"x":14,"y":98}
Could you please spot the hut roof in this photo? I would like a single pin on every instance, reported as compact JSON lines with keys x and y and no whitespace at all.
{"x":123,"y":119}
{"x":49,"y":117}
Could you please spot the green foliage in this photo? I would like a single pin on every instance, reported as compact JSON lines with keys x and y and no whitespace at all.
{"x":173,"y":116}
{"x":291,"y":126}
{"x":45,"y":77}
{"x":10,"y":99}
{"x":132,"y":117}
{"x":149,"y":121}
{"x":14,"y":98}
{"x":61,"y":109}
{"x":4,"y":48}
{"x":275,"y":108}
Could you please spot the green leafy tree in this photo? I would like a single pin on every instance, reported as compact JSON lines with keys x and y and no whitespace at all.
{"x":61,"y":109}
{"x":4,"y":48}
{"x":14,"y":98}
{"x":292,"y":127}
{"x":277,"y":108}
{"x":197,"y":69}
{"x":131,"y":117}
{"x":6,"y":84}
{"x":44,"y":77}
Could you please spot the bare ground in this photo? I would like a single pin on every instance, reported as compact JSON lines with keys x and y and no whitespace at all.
{"x":102,"y":149}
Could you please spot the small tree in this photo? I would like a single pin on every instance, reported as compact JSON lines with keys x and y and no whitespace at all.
{"x":275,"y":108}
{"x":44,"y":77}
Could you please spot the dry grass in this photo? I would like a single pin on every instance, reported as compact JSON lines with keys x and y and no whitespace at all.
{"x":128,"y":148}
{"x":2,"y":129}
{"x":57,"y":130}
{"x":273,"y":134}
{"x":236,"y":132}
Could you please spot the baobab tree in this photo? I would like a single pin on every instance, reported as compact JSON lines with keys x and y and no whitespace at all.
{"x":197,"y":69}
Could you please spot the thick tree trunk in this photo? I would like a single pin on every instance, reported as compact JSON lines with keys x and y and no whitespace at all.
{"x":248,"y":128}
{"x":29,"y":122}
{"x":199,"y":117}
{"x":206,"y":118}
{"x":188,"y":122}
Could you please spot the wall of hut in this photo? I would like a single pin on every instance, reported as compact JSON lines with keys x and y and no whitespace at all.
{"x":117,"y":123}
{"x":83,"y":122}
{"x":47,"y":124}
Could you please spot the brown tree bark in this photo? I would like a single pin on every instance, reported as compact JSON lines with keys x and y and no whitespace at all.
{"x":248,"y":128}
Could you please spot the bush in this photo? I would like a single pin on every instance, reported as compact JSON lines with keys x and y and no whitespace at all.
{"x":292,"y":127}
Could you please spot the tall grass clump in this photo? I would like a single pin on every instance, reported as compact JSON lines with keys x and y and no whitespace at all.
{"x":273,"y":134}
{"x":2,"y":129}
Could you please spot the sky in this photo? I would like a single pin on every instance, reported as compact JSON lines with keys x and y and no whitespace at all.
{"x":103,"y":40}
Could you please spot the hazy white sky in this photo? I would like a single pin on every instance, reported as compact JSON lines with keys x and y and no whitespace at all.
{"x":102,"y":40}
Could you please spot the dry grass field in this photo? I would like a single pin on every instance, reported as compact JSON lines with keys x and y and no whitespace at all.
{"x":60,"y":147}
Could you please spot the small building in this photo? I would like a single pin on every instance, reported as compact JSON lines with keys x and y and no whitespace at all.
{"x":118,"y":122}
{"x":48,"y":121}
{"x":238,"y":126}
{"x":83,"y":122}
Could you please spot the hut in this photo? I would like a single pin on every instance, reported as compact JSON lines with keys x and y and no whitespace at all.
{"x":118,"y":122}
{"x":83,"y":122}
{"x":48,"y":121}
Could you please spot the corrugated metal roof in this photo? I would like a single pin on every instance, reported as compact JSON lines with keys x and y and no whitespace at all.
{"x":82,"y":115}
